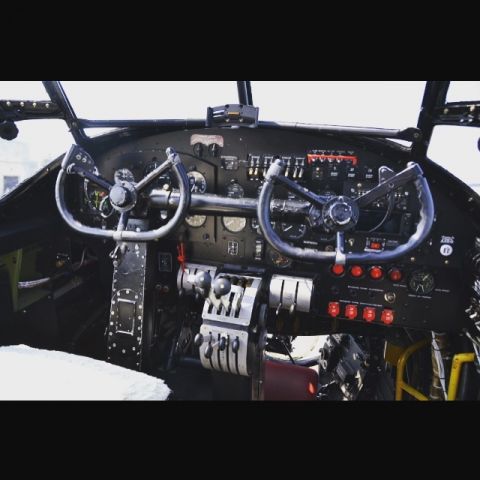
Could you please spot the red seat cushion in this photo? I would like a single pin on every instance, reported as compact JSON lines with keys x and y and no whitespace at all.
{"x":284,"y":381}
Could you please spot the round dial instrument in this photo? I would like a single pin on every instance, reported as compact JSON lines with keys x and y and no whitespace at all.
{"x":235,"y":190}
{"x":123,"y":175}
{"x":196,"y":221}
{"x":421,"y":282}
{"x":97,"y":199}
{"x":163,"y":181}
{"x":234,"y":224}
{"x":198,"y":183}
{"x":293,"y":231}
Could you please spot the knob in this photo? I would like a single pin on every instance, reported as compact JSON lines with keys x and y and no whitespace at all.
{"x":214,"y":149}
{"x":221,"y":286}
{"x":203,"y":280}
{"x":198,"y":150}
{"x":119,"y":196}
{"x":208,"y":351}
{"x":222,"y":344}
{"x":198,"y":340}
{"x":236,"y":345}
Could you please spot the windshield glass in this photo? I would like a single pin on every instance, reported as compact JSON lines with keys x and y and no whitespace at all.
{"x":97,"y":100}
{"x":353,"y":103}
{"x":365,"y":104}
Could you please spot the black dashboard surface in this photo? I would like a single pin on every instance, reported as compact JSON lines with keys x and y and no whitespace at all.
{"x":428,"y":287}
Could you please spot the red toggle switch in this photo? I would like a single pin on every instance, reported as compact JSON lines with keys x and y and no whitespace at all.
{"x":351,"y":312}
{"x":369,"y":314}
{"x":334,"y":309}
{"x":388,"y":316}
{"x":338,"y":270}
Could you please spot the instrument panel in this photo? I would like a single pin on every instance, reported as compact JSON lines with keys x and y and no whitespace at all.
{"x":233,"y":163}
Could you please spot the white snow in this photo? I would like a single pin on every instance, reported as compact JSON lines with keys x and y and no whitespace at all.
{"x":32,"y":374}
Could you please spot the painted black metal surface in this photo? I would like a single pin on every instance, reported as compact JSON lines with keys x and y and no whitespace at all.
{"x":126,"y":324}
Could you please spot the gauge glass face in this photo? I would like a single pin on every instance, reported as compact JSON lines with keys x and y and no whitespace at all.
{"x":256,"y":225}
{"x":279,"y":260}
{"x":163,"y":181}
{"x":198,"y":183}
{"x":196,"y":221}
{"x":235,"y":190}
{"x":422,"y":282}
{"x":293,"y":231}
{"x":96,"y":198}
{"x":123,"y":175}
{"x":234,"y":224}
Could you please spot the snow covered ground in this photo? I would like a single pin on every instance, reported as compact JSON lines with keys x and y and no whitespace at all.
{"x":31,"y":374}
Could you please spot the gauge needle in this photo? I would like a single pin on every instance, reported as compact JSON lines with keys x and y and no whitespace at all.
{"x":288,"y":228}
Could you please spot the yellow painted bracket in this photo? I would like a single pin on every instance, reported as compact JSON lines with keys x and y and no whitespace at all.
{"x":457,"y":363}
{"x":400,"y":385}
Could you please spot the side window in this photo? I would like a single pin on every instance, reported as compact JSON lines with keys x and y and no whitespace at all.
{"x":461,"y":91}
{"x":9,"y":182}
{"x":37,"y":144}
{"x":456,"y":149}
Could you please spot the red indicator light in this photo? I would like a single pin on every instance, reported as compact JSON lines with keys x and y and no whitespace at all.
{"x":376,"y":273}
{"x":351,"y":312}
{"x":334,"y":309}
{"x":395,"y":275}
{"x":338,"y":270}
{"x":388,"y":316}
{"x":357,"y":271}
{"x":369,"y":314}
{"x":375,"y":246}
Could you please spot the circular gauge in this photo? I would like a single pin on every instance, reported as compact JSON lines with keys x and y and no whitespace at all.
{"x":163,"y":181}
{"x":198,"y":183}
{"x":123,"y":175}
{"x":94,"y":196}
{"x":105,"y":207}
{"x":235,"y":190}
{"x":256,"y":225}
{"x":421,"y":282}
{"x":293,"y":231}
{"x":196,"y":221}
{"x":234,"y":224}
{"x":279,"y":260}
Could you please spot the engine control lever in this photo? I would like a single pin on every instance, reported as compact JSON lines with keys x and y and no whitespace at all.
{"x":221,"y":286}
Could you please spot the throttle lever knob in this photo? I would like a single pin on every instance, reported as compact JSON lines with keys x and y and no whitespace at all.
{"x":221,"y":286}
{"x":203,"y":280}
